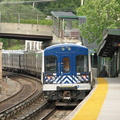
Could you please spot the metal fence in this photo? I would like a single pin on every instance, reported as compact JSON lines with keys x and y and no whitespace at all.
{"x":23,"y":1}
{"x":21,"y":18}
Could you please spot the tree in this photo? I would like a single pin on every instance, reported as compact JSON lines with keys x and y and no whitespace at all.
{"x":100,"y":14}
{"x":59,"y":5}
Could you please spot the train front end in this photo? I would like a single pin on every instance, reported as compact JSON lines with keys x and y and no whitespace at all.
{"x":66,"y":73}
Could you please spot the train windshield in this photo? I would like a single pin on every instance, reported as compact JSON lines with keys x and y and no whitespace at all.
{"x":82,"y":63}
{"x":50,"y":64}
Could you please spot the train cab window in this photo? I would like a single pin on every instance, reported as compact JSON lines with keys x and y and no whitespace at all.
{"x":50,"y":64}
{"x":82,"y":63}
{"x":66,"y":64}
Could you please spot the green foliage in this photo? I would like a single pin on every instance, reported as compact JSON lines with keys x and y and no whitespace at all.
{"x":12,"y":13}
{"x":17,"y":47}
{"x":12,"y":44}
{"x":12,"y":1}
{"x":100,"y":14}
{"x":41,"y":22}
{"x":59,"y":5}
{"x":19,"y":8}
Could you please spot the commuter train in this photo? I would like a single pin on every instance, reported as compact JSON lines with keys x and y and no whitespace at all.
{"x":20,"y":61}
{"x":65,"y":70}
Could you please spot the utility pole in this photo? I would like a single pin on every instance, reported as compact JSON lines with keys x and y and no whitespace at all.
{"x":82,"y":2}
{"x":1,"y":61}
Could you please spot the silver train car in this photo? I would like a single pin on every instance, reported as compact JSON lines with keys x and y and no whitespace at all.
{"x":22,"y":61}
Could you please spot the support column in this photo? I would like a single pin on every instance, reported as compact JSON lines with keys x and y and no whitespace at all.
{"x":1,"y":60}
{"x":119,"y":61}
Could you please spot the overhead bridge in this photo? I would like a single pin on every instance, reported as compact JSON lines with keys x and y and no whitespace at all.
{"x":26,"y":31}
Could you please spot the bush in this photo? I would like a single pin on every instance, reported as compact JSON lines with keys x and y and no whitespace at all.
{"x":40,"y":22}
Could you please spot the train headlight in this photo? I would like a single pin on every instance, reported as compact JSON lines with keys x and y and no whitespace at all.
{"x":46,"y":81}
{"x":53,"y":78}
{"x":83,"y":78}
{"x":49,"y":79}
{"x":69,"y":48}
{"x":79,"y":77}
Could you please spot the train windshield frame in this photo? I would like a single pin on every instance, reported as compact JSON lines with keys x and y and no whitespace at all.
{"x":50,"y":64}
{"x":82,"y":63}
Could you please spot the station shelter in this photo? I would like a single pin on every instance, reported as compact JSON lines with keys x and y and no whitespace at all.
{"x":109,"y":52}
{"x":66,"y":27}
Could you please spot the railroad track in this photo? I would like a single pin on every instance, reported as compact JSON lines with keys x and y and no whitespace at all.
{"x":29,"y":103}
{"x":45,"y":112}
{"x":61,"y":113}
{"x":50,"y":112}
{"x":29,"y":92}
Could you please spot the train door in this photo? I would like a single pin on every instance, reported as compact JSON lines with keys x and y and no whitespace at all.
{"x":66,"y":69}
{"x":65,"y":65}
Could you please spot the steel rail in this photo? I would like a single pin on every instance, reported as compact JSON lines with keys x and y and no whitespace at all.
{"x":10,"y":111}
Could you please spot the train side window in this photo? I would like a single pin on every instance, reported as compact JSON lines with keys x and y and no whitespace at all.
{"x":50,"y":64}
{"x":66,"y":64}
{"x":82,"y":63}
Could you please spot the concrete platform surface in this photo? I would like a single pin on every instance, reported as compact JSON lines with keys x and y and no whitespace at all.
{"x":111,"y":106}
{"x":103,"y":102}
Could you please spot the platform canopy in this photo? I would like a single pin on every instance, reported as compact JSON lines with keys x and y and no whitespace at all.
{"x":64,"y":15}
{"x":110,"y":42}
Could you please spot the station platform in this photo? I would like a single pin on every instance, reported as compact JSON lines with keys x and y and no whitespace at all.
{"x":103,"y":102}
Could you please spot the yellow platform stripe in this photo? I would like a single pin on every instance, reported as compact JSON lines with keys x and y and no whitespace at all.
{"x":91,"y":109}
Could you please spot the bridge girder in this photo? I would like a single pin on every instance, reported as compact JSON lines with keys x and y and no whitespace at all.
{"x":26,"y":37}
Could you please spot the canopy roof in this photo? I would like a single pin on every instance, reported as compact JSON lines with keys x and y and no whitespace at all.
{"x":64,"y":15}
{"x":110,"y":42}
